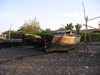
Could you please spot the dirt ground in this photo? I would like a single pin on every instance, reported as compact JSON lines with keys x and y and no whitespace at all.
{"x":26,"y":60}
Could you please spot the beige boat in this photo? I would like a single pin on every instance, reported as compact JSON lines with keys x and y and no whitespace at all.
{"x":61,"y":42}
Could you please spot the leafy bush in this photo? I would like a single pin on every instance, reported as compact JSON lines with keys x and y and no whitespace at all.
{"x":30,"y":26}
{"x":45,"y":32}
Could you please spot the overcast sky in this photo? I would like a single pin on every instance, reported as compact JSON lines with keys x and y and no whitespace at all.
{"x":50,"y":13}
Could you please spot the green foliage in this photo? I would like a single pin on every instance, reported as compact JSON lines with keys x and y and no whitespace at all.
{"x":13,"y":34}
{"x":45,"y":32}
{"x":40,"y":32}
{"x":34,"y":32}
{"x":78,"y":27}
{"x":69,"y":27}
{"x":93,"y":37}
{"x":37,"y":32}
{"x":62,"y":28}
{"x":21,"y":32}
{"x":7,"y":32}
{"x":48,"y":29}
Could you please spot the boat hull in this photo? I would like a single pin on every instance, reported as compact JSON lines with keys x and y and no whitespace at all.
{"x":58,"y":43}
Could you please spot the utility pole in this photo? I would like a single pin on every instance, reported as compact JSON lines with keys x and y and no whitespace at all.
{"x":10,"y":31}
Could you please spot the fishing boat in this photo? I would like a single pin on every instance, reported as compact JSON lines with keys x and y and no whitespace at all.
{"x":59,"y":42}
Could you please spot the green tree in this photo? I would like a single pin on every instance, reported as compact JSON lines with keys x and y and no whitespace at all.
{"x":61,"y":28}
{"x":30,"y":26}
{"x":78,"y":27}
{"x":12,"y":32}
{"x":48,"y":29}
{"x":69,"y":27}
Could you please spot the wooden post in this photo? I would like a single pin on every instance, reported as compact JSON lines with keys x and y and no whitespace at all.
{"x":86,"y":31}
